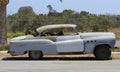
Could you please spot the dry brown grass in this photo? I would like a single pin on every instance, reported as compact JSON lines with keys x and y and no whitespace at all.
{"x":4,"y":47}
{"x":116,"y":56}
{"x":115,"y":30}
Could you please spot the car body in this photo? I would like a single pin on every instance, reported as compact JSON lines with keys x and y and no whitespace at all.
{"x":63,"y":39}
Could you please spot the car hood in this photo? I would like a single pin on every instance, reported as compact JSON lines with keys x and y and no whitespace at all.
{"x":97,"y":34}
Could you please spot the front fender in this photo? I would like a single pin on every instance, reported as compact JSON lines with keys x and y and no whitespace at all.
{"x":91,"y":43}
{"x":108,"y":41}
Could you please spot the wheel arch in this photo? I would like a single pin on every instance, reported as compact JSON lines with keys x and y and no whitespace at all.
{"x":102,"y":52}
{"x":35,"y":54}
{"x":33,"y":50}
{"x":101,"y":45}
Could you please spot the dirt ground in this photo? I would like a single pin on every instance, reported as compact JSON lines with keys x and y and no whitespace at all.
{"x":6,"y":56}
{"x":115,"y":30}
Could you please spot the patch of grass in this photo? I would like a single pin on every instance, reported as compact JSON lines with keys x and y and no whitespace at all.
{"x":4,"y":47}
{"x":12,"y":35}
{"x":117,"y":36}
{"x":116,"y":50}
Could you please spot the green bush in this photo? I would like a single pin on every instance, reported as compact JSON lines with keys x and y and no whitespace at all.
{"x":117,"y":36}
{"x":116,"y":50}
{"x":18,"y":34}
{"x":12,"y":35}
{"x":4,"y":47}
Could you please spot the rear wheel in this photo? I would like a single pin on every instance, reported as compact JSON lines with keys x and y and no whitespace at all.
{"x":35,"y":55}
{"x":102,"y":52}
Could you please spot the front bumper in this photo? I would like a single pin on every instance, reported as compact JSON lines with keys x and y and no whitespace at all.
{"x":116,"y":47}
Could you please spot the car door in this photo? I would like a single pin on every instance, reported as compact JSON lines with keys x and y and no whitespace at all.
{"x":70,"y":41}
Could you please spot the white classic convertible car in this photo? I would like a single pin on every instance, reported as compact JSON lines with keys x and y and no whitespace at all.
{"x":63,"y":39}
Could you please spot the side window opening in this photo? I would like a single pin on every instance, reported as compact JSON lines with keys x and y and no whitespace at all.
{"x":59,"y":32}
{"x":69,"y":31}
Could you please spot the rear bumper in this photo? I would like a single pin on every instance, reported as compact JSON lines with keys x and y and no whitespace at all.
{"x":12,"y":53}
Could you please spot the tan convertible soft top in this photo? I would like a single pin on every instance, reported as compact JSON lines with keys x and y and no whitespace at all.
{"x":41,"y":29}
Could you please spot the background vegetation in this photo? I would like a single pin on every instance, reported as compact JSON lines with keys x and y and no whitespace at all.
{"x":26,"y":20}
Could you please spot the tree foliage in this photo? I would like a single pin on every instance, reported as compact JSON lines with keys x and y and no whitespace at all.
{"x":27,"y":21}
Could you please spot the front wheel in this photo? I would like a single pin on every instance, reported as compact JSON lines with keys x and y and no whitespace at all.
{"x":102,"y":52}
{"x":35,"y":55}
